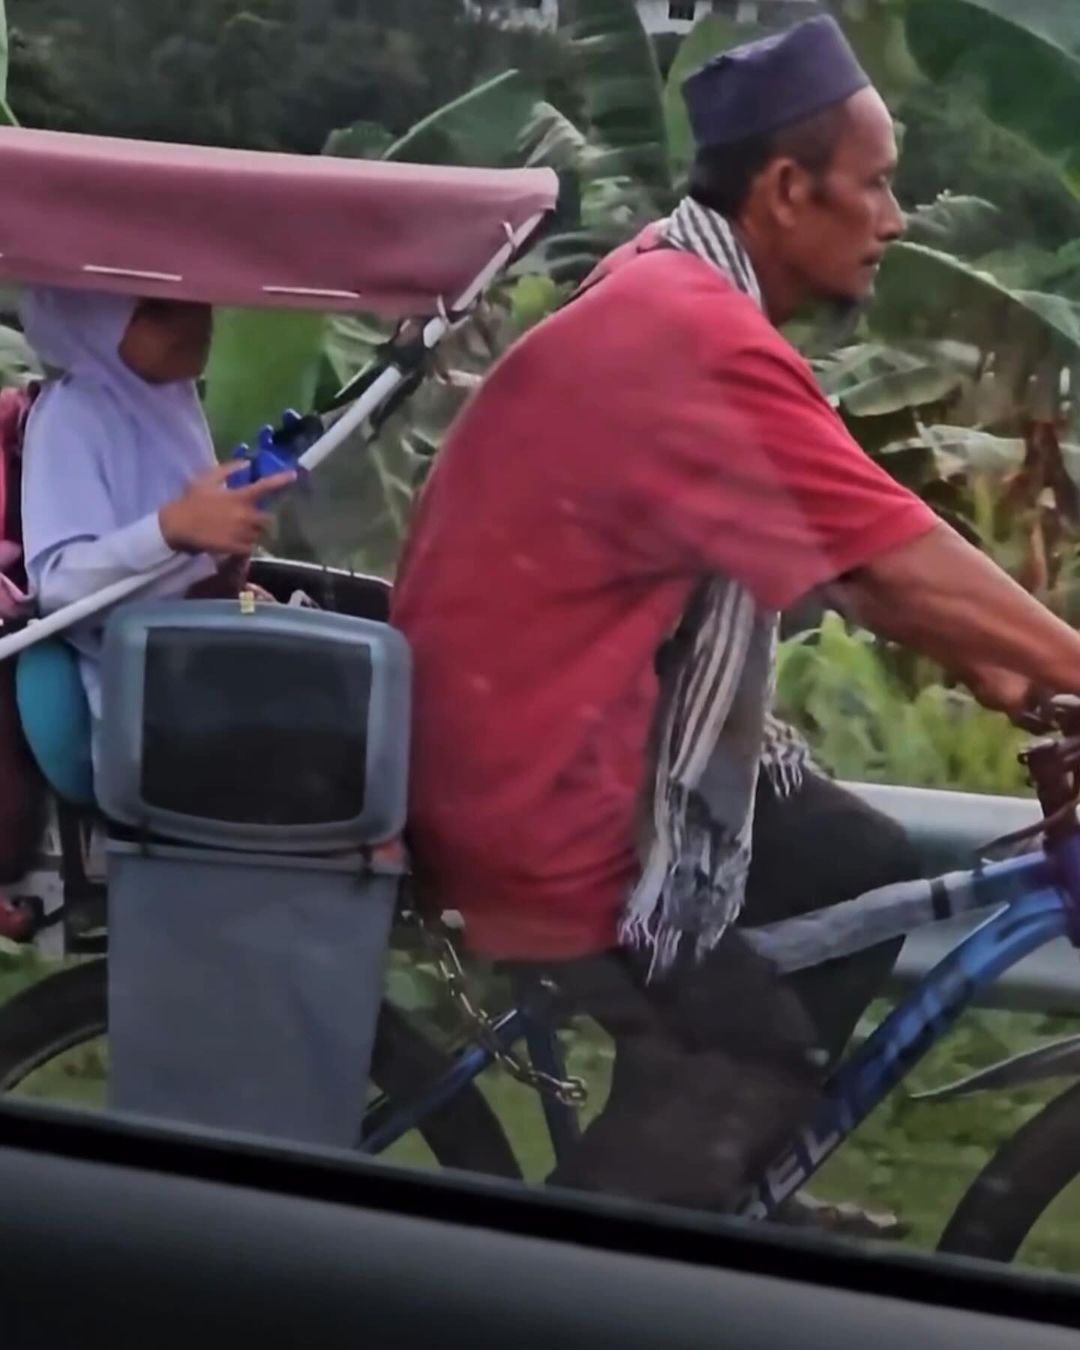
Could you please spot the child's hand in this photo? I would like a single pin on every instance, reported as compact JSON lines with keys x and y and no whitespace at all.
{"x":260,"y":593}
{"x":211,"y":518}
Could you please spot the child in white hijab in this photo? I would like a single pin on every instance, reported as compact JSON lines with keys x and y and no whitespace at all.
{"x":119,"y":472}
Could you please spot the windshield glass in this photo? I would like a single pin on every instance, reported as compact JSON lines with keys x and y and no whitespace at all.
{"x":578,"y":739}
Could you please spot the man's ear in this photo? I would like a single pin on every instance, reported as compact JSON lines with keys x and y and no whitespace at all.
{"x":785,"y":190}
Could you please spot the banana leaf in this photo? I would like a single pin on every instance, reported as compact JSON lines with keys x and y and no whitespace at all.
{"x":874,"y":380}
{"x":549,"y":139}
{"x":7,"y":117}
{"x":875,"y":28}
{"x":17,"y":360}
{"x":622,"y":90}
{"x":351,"y":342}
{"x":362,"y":140}
{"x":925,"y":293}
{"x":353,"y":512}
{"x":967,"y":226}
{"x":1019,"y":61}
{"x":261,"y":362}
{"x":965,"y":450}
{"x":899,"y":389}
{"x":481,"y":129}
{"x":706,"y":39}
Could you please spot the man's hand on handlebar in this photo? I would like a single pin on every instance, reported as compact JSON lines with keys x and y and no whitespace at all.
{"x":1023,"y":702}
{"x":1003,"y":691}
{"x":209,"y":518}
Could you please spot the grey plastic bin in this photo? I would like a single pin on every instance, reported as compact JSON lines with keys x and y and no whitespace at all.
{"x":244,"y":989}
{"x":259,"y":758}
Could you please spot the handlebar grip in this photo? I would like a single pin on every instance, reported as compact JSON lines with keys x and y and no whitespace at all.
{"x":243,"y":475}
{"x":265,"y":464}
{"x":1052,"y":712}
{"x":277,"y":450}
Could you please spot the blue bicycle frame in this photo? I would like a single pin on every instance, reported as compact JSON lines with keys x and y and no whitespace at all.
{"x":1037,"y":899}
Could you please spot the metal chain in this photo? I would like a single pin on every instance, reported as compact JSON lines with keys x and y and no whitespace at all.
{"x":569,"y":1091}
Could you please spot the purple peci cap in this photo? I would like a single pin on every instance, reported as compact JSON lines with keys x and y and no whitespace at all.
{"x":762,"y":86}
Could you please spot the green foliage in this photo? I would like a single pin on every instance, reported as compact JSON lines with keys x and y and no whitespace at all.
{"x":627,"y":161}
{"x":916,"y":1159}
{"x":532,"y":298}
{"x":869,"y":720}
{"x":414,"y":985}
{"x":962,"y":384}
{"x":268,"y":74}
{"x":1019,"y":62}
{"x":6,"y":114}
{"x":950,"y":145}
{"x":261,"y":362}
{"x":926,"y":293}
{"x":622,"y":91}
{"x":17,"y":361}
{"x":482,"y":128}
{"x":709,"y":35}
{"x":876,"y":29}
{"x":363,"y":140}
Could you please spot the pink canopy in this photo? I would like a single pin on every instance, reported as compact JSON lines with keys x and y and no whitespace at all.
{"x":240,"y":227}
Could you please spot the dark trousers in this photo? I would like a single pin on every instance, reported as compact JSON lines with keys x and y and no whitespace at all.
{"x":718,"y":1062}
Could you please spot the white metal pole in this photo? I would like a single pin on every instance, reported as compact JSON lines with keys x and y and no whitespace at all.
{"x":373,"y":397}
{"x":434,"y":331}
{"x":369,"y":402}
{"x":60,"y":620}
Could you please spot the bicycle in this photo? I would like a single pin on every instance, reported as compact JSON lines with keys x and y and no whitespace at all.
{"x":422,"y":1087}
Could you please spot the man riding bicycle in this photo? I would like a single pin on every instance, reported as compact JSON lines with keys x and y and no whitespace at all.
{"x":591,"y":589}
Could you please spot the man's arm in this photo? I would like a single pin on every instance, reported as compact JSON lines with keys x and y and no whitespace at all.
{"x":941,"y":596}
{"x":754,"y":476}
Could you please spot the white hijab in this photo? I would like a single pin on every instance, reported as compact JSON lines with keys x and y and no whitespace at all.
{"x":146,"y":441}
{"x":77,"y":334}
{"x":103,"y":450}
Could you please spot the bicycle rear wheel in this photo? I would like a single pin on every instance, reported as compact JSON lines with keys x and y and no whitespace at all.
{"x":69,"y":1010}
{"x":1019,"y":1184}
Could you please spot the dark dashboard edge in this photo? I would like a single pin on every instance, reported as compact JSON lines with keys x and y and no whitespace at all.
{"x":584,"y":1221}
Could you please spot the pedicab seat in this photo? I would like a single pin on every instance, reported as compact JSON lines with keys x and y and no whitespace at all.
{"x":55,"y":718}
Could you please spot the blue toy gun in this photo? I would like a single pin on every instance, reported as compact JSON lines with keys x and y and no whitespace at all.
{"x":277,"y":450}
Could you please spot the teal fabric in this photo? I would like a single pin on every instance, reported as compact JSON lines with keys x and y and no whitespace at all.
{"x":56,"y":718}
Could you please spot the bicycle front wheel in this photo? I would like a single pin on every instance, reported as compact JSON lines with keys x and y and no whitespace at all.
{"x":1019,"y":1184}
{"x":47,"y":1026}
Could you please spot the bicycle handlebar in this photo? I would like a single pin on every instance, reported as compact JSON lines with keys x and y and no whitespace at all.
{"x":1057,"y":713}
{"x":1053,"y":766}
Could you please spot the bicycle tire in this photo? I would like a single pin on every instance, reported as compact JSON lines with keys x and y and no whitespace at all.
{"x":68,"y":1009}
{"x":1018,"y":1184}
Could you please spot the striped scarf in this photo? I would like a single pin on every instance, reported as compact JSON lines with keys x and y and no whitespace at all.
{"x":714,"y":729}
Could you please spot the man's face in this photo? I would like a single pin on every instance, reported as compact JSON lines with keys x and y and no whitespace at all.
{"x":836,"y":225}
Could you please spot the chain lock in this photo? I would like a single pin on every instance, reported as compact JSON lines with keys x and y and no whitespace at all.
{"x":568,"y":1091}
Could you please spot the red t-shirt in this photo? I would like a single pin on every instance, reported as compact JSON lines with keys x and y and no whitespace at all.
{"x":655,"y":430}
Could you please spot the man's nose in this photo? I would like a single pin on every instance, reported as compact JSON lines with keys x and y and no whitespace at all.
{"x":894,"y":224}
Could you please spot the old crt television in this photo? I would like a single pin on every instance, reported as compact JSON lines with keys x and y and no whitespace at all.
{"x":282,"y":730}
